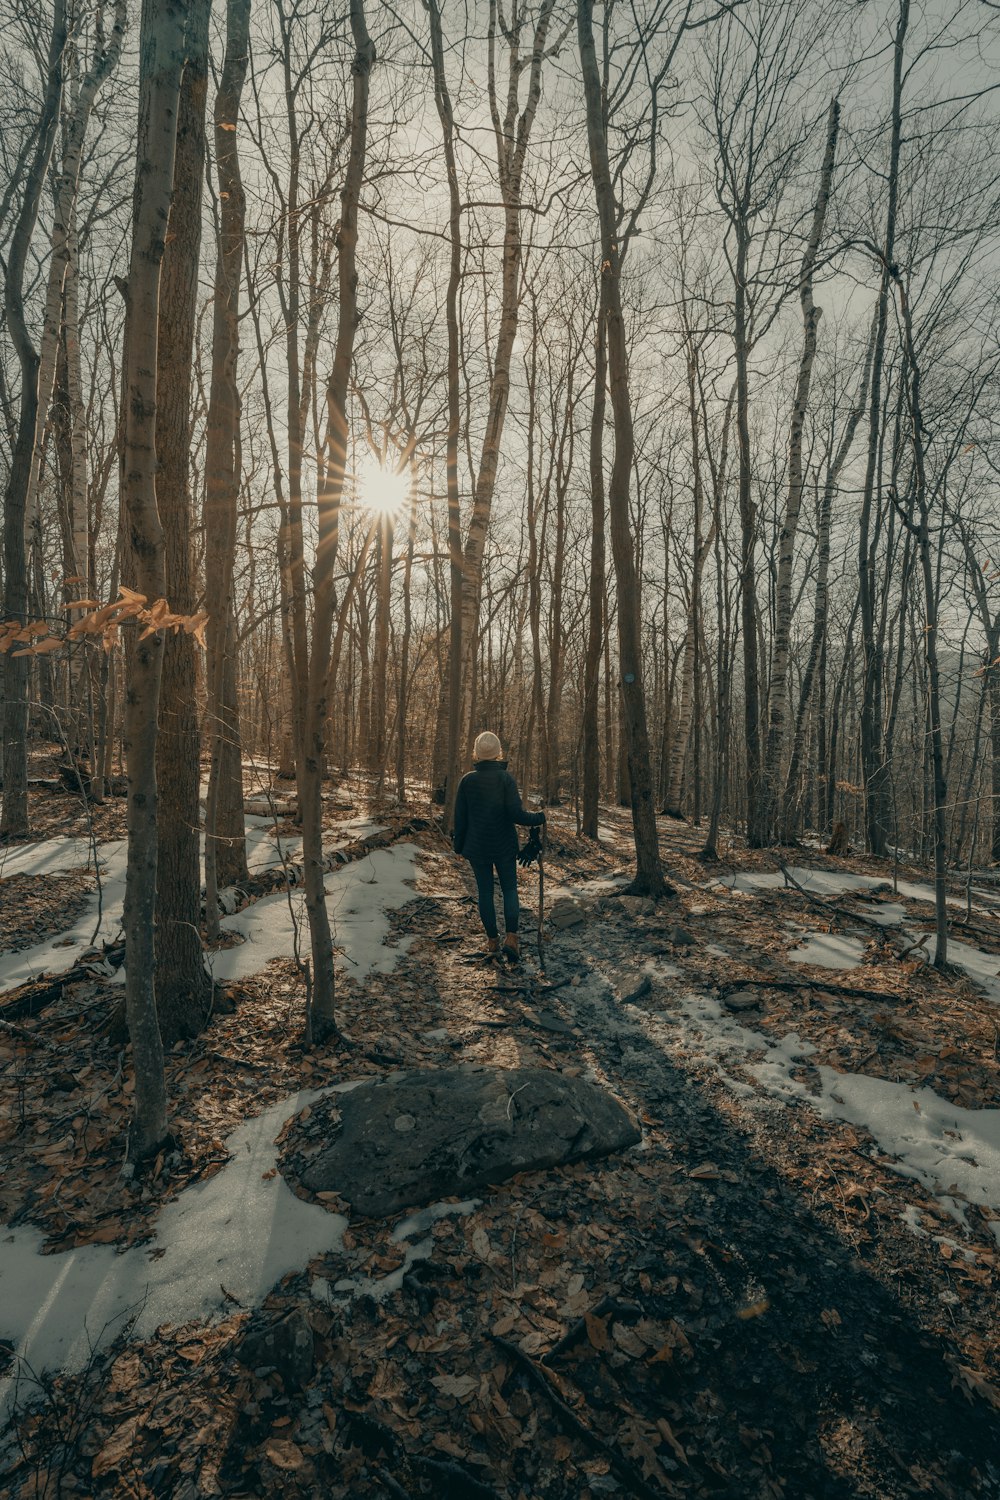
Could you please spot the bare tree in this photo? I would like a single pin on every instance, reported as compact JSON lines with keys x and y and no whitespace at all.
{"x":35,"y":165}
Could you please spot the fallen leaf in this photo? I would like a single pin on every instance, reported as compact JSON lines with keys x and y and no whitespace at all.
{"x":597,"y":1331}
{"x":284,"y":1454}
{"x":456,"y":1385}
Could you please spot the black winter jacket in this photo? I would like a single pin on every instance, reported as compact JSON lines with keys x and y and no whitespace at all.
{"x":486,"y":808}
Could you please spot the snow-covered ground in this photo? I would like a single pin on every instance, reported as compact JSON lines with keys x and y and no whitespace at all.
{"x":359,"y":898}
{"x":262,"y":924}
{"x":99,"y":922}
{"x":954,"y":1153}
{"x":828,"y":950}
{"x":982,"y":968}
{"x":243,"y":1229}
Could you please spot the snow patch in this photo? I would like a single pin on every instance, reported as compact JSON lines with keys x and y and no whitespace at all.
{"x":829,"y":950}
{"x":60,"y":952}
{"x":242,"y":1229}
{"x":952,"y":1152}
{"x":46,"y":857}
{"x":359,"y":898}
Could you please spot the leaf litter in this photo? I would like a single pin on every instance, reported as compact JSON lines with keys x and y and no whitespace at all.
{"x":756,"y":1301}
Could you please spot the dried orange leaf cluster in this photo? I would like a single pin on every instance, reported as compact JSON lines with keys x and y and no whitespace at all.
{"x":103,"y":620}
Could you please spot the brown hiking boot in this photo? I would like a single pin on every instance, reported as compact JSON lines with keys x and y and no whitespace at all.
{"x":492,"y":947}
{"x":512,"y":948}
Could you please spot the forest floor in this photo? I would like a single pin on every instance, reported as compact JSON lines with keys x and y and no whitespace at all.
{"x":788,"y":1289}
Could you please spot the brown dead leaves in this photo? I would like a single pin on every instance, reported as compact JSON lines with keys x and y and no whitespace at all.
{"x":103,"y":621}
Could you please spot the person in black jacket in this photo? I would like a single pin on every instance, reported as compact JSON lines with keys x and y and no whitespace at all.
{"x":487,"y":807}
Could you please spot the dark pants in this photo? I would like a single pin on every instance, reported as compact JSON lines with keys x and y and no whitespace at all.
{"x":506,"y":869}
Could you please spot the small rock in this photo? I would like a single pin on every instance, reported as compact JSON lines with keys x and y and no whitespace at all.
{"x":644,"y":988}
{"x":637,"y":906}
{"x":404,"y":1122}
{"x":680,"y":937}
{"x":741,"y":1000}
{"x":548,"y":1021}
{"x":567,"y":913}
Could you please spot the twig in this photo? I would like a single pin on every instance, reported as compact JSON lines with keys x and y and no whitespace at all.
{"x":625,"y":1471}
{"x":789,"y":987}
{"x":627,"y":1311}
{"x":26,"y":1036}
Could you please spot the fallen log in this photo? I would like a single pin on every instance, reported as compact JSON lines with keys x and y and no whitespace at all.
{"x":266,"y":882}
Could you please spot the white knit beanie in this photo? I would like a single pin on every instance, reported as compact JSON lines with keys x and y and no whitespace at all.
{"x":487,"y":747}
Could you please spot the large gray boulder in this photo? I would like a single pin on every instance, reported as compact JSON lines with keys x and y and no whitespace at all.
{"x":426,"y":1135}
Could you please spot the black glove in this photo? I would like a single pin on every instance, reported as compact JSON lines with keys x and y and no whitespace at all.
{"x":531,"y":851}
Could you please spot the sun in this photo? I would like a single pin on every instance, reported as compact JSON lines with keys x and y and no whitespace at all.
{"x":382,"y":490}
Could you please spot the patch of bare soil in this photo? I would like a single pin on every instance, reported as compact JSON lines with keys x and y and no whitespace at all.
{"x":734,"y":1309}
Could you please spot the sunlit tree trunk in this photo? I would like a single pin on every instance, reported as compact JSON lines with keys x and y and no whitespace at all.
{"x":310,"y":760}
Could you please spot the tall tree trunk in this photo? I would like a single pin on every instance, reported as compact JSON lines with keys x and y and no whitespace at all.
{"x":873,"y":760}
{"x":702,"y":547}
{"x":160,"y":66}
{"x":14,"y":814}
{"x":597,"y":583}
{"x":61,"y":288}
{"x":310,"y":759}
{"x":820,"y":607}
{"x":452,"y":680}
{"x":938,"y":783}
{"x":649,"y":874}
{"x":748,"y":551}
{"x":225,"y":860}
{"x":183,"y":992}
{"x":379,"y":747}
{"x":811,"y":314}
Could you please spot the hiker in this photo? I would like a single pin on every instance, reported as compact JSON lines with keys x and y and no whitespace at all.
{"x":486,"y":809}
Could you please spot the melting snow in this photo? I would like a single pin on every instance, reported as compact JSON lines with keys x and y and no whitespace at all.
{"x":48,"y":857}
{"x":953,"y":1152}
{"x":359,"y":897}
{"x":828,"y":950}
{"x":242,"y":1229}
{"x":60,"y":952}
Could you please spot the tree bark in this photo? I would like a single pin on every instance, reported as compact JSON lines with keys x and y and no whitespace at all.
{"x":225,"y":846}
{"x":649,"y":874}
{"x":183,"y":990}
{"x":873,"y":759}
{"x":160,"y":66}
{"x":596,"y":584}
{"x":778,"y":695}
{"x":310,"y":760}
{"x":14,"y":814}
